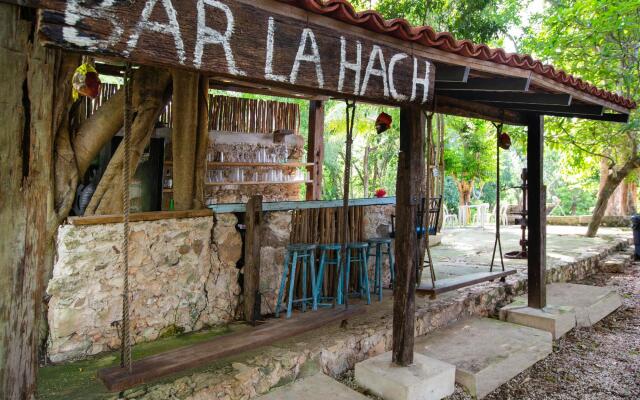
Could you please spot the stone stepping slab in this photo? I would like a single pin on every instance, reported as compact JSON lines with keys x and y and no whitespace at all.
{"x":486,"y":352}
{"x":316,"y":387}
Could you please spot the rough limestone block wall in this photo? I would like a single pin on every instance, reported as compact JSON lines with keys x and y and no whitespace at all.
{"x":183,"y":277}
{"x":276,"y":232}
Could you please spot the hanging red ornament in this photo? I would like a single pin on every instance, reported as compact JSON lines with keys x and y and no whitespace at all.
{"x":383,"y":122}
{"x":504,"y":141}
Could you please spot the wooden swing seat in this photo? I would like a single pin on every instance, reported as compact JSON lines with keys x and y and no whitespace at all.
{"x":161,"y":365}
{"x":459,"y":282}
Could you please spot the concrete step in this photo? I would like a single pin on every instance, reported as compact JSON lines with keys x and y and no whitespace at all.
{"x":316,"y":387}
{"x":486,"y":352}
{"x":586,"y":304}
{"x":426,"y":379}
{"x":618,"y":262}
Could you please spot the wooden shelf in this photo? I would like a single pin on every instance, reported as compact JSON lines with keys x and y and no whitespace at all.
{"x":256,"y":183}
{"x":261,"y":165}
{"x":165,"y":190}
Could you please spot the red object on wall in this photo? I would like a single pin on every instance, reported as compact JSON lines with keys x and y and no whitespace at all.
{"x":380,"y":193}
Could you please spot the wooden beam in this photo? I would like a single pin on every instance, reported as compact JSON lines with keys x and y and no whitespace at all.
{"x":537,"y":260}
{"x":487,"y":84}
{"x":161,"y":365}
{"x":408,"y":195}
{"x":462,"y":108}
{"x":315,"y":149}
{"x":139,"y":217}
{"x":509,"y":97}
{"x":294,"y":53}
{"x":251,"y":275}
{"x":451,"y":73}
{"x":574,"y":109}
{"x":609,"y":117}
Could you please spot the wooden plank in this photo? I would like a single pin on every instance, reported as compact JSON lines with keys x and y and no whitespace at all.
{"x":487,"y":84}
{"x":161,"y":365}
{"x":536,"y":220}
{"x":509,"y":97}
{"x":315,"y":149}
{"x":574,"y":109}
{"x":451,"y":73}
{"x":459,"y":282}
{"x":139,"y":217}
{"x":302,"y":205}
{"x":206,"y":37}
{"x":251,"y":275}
{"x":409,"y":191}
{"x":609,"y":117}
{"x":452,"y":106}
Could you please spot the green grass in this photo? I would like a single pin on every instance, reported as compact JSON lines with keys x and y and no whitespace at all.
{"x":78,"y":380}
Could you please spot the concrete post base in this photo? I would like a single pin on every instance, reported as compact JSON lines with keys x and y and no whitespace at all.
{"x":558,"y":320}
{"x":426,"y":379}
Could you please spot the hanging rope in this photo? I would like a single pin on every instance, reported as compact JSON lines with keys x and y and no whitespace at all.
{"x":350,"y":116}
{"x":498,"y":243}
{"x":125,"y":349}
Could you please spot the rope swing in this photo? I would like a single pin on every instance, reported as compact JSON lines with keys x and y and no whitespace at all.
{"x":350,"y":116}
{"x":125,"y":348}
{"x":498,"y":243}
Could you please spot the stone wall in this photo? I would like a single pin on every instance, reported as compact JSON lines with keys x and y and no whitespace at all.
{"x":183,"y":277}
{"x":584,"y":220}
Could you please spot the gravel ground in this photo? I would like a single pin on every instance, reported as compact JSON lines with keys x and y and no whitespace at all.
{"x":597,"y":363}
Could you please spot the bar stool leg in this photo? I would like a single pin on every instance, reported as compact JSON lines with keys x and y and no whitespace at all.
{"x":317,"y":288}
{"x":347,"y":275}
{"x":392,"y":265}
{"x":283,"y":282}
{"x":340,"y":272}
{"x":365,"y":274}
{"x":292,"y":283}
{"x":304,"y":281}
{"x":314,"y":299}
{"x":378,"y":283}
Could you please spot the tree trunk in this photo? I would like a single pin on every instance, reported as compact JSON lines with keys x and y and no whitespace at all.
{"x":611,"y":183}
{"x":184,"y":137}
{"x":154,"y":92}
{"x":27,"y":74}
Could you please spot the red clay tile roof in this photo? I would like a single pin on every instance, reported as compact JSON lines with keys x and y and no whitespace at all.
{"x":343,"y":11}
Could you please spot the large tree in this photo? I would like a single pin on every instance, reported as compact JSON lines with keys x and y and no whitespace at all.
{"x":600,"y":42}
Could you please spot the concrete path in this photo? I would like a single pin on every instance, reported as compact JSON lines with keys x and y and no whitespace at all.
{"x":486,"y":352}
{"x":316,"y":387}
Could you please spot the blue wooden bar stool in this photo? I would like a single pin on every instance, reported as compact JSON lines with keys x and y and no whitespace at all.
{"x":327,"y":259}
{"x":379,"y":244}
{"x":295,"y":253}
{"x":360,"y":260}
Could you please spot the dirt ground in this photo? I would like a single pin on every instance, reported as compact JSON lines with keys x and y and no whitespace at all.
{"x":597,"y":363}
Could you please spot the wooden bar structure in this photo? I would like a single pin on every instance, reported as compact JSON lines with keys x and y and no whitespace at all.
{"x":410,"y":169}
{"x":313,"y":50}
{"x":251,"y":286}
{"x":315,"y":148}
{"x":536,"y":220}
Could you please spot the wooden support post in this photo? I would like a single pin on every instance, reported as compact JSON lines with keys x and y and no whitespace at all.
{"x":251,"y":286}
{"x":536,"y":263}
{"x":184,"y":137}
{"x":408,"y":194}
{"x":315,"y":148}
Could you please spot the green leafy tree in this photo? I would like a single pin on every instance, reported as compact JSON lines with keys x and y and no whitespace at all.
{"x":469,"y":155}
{"x":482,"y":21}
{"x":599,"y":41}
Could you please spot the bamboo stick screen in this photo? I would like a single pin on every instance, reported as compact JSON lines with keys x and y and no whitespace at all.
{"x":324,"y":226}
{"x":234,"y":114}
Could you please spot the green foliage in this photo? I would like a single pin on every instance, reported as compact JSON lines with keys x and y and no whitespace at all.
{"x":598,"y":41}
{"x":469,"y":152}
{"x":482,"y":21}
